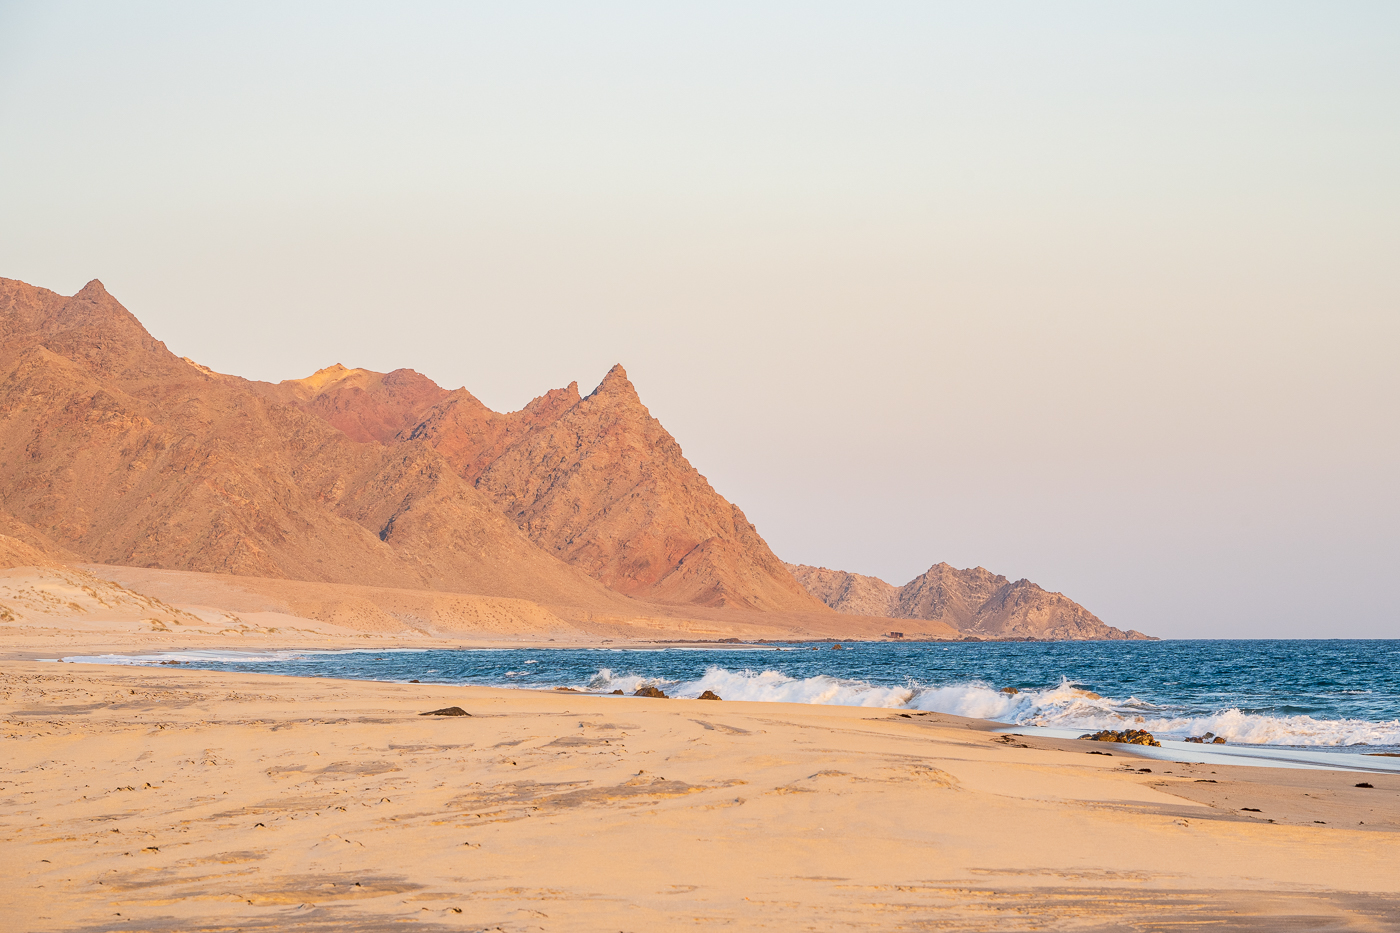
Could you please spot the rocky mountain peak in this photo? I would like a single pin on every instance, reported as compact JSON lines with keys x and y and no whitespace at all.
{"x":92,"y":291}
{"x":616,"y":389}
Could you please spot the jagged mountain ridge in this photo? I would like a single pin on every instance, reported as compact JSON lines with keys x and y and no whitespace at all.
{"x":119,"y":451}
{"x":974,"y":601}
{"x":596,"y":481}
{"x":115,"y":448}
{"x":608,"y":489}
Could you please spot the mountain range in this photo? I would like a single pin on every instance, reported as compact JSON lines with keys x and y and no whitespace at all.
{"x":116,"y":451}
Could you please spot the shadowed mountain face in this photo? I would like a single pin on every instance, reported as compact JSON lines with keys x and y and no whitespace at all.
{"x":974,"y":601}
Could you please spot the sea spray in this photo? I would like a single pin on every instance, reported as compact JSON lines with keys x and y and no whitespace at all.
{"x":1320,"y":694}
{"x":1063,"y":706}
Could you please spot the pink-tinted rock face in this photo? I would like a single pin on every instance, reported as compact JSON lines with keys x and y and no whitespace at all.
{"x":125,"y":453}
{"x":121,"y":452}
{"x":603,"y":485}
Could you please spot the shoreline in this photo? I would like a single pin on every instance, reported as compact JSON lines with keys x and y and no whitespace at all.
{"x":197,"y":800}
{"x":1321,"y":757}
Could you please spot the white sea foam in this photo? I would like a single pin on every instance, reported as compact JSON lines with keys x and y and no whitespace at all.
{"x":771,"y":686}
{"x":1063,"y":706}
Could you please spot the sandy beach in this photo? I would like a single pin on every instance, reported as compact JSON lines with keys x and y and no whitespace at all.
{"x":164,"y":799}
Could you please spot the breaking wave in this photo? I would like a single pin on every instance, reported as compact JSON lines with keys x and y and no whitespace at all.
{"x":763,"y":687}
{"x":1063,"y":706}
{"x":1353,"y":711}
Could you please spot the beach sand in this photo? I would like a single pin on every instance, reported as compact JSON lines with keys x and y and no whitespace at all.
{"x":166,"y":799}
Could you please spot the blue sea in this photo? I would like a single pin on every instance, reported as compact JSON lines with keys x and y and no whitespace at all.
{"x":1314,"y":695}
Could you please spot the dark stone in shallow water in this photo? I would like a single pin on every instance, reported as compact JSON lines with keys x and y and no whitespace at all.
{"x":446,"y":711}
{"x":650,"y":691}
{"x":709,"y":695}
{"x":1009,"y":691}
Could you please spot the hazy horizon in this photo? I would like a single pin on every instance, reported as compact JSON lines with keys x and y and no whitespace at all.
{"x":1099,"y":296}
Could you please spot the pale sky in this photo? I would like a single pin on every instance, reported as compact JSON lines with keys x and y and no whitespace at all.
{"x":1104,"y":295}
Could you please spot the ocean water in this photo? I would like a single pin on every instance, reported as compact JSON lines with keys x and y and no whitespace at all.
{"x":1317,"y":695}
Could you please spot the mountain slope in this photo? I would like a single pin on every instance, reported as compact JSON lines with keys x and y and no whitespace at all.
{"x":853,"y":593}
{"x":115,"y":448}
{"x":366,"y":406}
{"x":472,"y":436}
{"x":595,"y":481}
{"x":607,"y":488}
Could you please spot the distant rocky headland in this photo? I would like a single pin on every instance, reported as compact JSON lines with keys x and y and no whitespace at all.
{"x":975,"y":602}
{"x":116,"y":451}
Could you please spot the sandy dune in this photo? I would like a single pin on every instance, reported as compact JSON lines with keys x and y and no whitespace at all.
{"x":165,"y":799}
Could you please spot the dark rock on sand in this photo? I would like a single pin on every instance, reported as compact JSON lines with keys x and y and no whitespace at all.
{"x":1127,"y":737}
{"x":618,"y":693}
{"x":709,"y":695}
{"x":650,"y":691}
{"x":447,"y":711}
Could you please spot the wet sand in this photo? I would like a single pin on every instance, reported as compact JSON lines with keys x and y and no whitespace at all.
{"x":163,"y":799}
